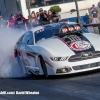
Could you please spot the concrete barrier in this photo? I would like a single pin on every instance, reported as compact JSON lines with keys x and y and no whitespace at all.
{"x":72,"y":17}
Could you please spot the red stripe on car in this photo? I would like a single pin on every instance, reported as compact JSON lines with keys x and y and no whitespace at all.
{"x":43,"y":26}
{"x":19,"y":53}
{"x":63,"y":41}
{"x":28,"y":54}
{"x":49,"y":64}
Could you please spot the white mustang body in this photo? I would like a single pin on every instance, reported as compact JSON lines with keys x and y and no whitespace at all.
{"x":58,"y":49}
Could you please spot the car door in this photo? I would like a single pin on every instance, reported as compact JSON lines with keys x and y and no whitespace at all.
{"x":22,"y":54}
{"x":27,"y":48}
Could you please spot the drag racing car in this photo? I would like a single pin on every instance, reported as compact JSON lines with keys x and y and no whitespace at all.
{"x":58,"y":49}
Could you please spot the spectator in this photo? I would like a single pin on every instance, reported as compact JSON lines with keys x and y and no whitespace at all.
{"x":55,"y":18}
{"x":43,"y":17}
{"x":41,"y":14}
{"x":3,"y":23}
{"x":91,"y":8}
{"x":12,"y":21}
{"x":34,"y":20}
{"x":37,"y":15}
{"x":21,"y":21}
{"x":49,"y":17}
{"x":95,"y":15}
{"x":91,"y":11}
{"x":33,"y":12}
{"x":45,"y":12}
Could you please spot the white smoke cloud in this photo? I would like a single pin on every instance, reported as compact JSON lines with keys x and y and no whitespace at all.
{"x":9,"y":67}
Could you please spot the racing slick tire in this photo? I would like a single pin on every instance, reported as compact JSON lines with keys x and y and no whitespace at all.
{"x":19,"y":61}
{"x":43,"y":65}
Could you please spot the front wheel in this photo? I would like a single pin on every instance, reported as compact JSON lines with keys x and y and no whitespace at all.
{"x":44,"y":67}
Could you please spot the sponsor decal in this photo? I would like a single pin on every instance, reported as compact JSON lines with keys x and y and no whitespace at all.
{"x":41,"y":30}
{"x":55,"y":25}
{"x":80,"y":45}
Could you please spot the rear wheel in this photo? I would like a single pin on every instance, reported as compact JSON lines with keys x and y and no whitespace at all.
{"x":44,"y":67}
{"x":18,"y":59}
{"x":20,"y":62}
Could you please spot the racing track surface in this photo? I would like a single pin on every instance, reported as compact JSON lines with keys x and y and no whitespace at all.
{"x":85,"y":86}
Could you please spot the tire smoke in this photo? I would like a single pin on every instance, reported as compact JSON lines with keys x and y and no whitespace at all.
{"x":9,"y":67}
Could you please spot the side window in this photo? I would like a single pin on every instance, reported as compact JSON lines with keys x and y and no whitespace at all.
{"x":20,"y":39}
{"x":28,"y":38}
{"x":43,"y":35}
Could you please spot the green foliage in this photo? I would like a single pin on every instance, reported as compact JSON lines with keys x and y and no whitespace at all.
{"x":57,"y":9}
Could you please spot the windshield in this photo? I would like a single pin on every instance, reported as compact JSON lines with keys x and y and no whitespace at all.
{"x":48,"y":33}
{"x":43,"y":35}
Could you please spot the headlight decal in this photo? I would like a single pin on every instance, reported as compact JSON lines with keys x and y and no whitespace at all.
{"x":58,"y":58}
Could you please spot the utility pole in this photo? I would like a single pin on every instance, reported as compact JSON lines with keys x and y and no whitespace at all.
{"x":78,"y":17}
{"x":28,"y":7}
{"x":5,"y":9}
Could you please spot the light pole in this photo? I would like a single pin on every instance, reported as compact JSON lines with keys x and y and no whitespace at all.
{"x":28,"y":7}
{"x":78,"y":17}
{"x":5,"y":9}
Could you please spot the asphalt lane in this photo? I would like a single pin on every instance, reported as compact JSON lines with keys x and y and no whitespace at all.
{"x":84,"y":86}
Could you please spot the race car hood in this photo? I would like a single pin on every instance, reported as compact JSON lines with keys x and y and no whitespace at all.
{"x":55,"y":47}
{"x":88,"y":43}
{"x":94,"y":39}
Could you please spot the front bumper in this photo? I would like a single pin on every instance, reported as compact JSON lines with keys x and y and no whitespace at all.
{"x":76,"y":67}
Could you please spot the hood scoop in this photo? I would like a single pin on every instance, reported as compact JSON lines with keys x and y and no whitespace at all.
{"x":71,"y":39}
{"x":78,"y":43}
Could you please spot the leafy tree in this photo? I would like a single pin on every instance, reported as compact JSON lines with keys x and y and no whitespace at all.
{"x":56,"y":9}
